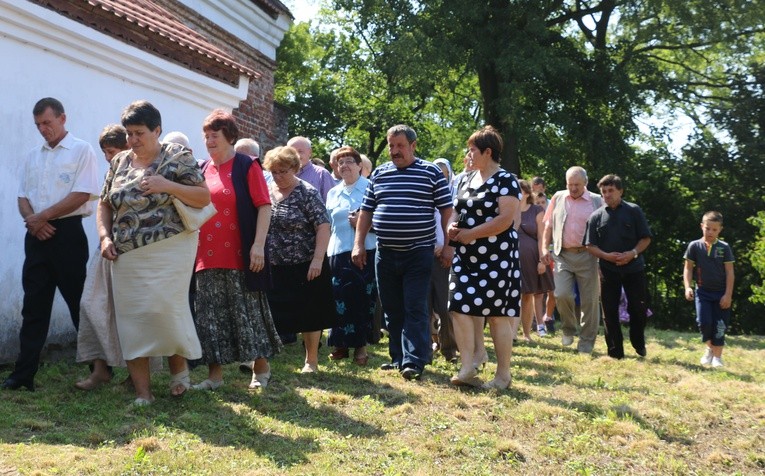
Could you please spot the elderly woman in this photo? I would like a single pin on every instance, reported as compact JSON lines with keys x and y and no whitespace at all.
{"x":301,"y":299}
{"x":536,"y":278}
{"x":97,"y":341}
{"x":353,"y":288}
{"x":485,"y":279}
{"x":153,"y":254}
{"x":233,"y":319}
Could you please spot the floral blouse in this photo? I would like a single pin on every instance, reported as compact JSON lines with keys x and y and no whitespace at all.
{"x":137,"y":220}
{"x":292,"y":235}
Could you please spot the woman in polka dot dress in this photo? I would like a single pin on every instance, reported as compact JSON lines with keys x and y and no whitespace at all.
{"x":486,"y":280}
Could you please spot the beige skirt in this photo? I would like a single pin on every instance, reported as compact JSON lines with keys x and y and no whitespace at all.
{"x":151,"y":299}
{"x":97,"y":336}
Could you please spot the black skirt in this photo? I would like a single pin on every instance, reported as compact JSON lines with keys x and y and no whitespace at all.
{"x":299,"y":305}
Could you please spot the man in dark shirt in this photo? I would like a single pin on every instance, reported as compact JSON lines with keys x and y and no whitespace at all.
{"x":617,"y":234}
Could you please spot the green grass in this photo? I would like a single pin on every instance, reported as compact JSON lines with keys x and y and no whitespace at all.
{"x":565,"y":414}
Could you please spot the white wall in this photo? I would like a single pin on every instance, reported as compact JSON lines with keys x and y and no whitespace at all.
{"x":95,"y":77}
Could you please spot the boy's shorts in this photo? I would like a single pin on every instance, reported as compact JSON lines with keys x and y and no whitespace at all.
{"x":712,"y":319}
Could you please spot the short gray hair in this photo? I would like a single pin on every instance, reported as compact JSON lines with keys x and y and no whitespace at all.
{"x":176,"y":137}
{"x":411,"y":136}
{"x":577,"y":170}
{"x":300,"y":138}
{"x":247,"y":146}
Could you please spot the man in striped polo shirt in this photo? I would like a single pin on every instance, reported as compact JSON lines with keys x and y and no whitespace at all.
{"x":400,"y":202}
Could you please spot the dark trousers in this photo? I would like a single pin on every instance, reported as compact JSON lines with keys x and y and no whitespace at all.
{"x":441,"y":321}
{"x":59,"y":262}
{"x":403,"y":279}
{"x":611,"y":290}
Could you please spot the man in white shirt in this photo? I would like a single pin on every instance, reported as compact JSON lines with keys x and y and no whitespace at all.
{"x":58,"y":182}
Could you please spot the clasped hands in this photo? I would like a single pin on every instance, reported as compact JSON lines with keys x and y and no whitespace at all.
{"x":37,"y":225}
{"x":621,"y":259}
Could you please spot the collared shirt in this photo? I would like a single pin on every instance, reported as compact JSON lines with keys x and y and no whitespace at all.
{"x":403,"y":202}
{"x":709,"y":263}
{"x":341,"y":201}
{"x":318,"y":177}
{"x":50,"y":174}
{"x":578,"y":210}
{"x":618,"y":230}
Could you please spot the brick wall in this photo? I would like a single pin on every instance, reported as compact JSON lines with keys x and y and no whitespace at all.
{"x":258,"y":116}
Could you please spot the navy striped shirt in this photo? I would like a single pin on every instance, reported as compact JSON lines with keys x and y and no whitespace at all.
{"x":403,"y":202}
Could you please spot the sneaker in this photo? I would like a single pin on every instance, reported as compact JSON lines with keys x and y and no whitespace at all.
{"x":541,"y":330}
{"x":706,"y":359}
{"x":717,"y":362}
{"x":550,"y":324}
{"x":567,"y":340}
{"x":411,"y":373}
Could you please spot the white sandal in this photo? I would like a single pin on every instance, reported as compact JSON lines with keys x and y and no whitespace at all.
{"x":180,"y":379}
{"x":208,"y":384}
{"x":142,"y":402}
{"x":260,"y":380}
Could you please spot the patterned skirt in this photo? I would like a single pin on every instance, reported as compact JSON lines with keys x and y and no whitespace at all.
{"x":233,"y":323}
{"x":355,"y":296}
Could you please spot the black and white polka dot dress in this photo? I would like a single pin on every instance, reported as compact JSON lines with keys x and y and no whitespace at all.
{"x":486,"y":275}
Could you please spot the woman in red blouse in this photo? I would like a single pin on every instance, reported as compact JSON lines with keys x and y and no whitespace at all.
{"x":232,"y":271}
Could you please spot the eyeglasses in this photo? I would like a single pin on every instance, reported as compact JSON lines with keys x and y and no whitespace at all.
{"x":346,"y":162}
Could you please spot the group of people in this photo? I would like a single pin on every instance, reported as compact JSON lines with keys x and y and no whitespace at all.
{"x":294,"y":249}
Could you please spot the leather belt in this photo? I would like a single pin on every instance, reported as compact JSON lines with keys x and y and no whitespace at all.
{"x":577,"y":249}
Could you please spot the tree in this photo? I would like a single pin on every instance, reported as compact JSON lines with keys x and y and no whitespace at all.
{"x":341,"y":91}
{"x":564,"y":81}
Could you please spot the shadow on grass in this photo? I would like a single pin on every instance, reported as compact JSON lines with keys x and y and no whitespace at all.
{"x":57,"y":414}
{"x":592,"y":411}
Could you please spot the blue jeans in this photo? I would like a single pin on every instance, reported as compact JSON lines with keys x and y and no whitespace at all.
{"x":711,"y":318}
{"x":403,"y":279}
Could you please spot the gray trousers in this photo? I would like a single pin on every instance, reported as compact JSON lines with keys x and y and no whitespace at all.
{"x":580,"y":268}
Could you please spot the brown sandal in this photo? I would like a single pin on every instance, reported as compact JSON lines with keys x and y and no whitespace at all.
{"x":339,"y":353}
{"x":360,"y":359}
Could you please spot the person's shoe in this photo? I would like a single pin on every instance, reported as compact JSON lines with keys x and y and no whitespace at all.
{"x":411,"y":373}
{"x":641,"y":352}
{"x":497,"y":385}
{"x":309,"y":369}
{"x":550,"y":324}
{"x":91,"y":383}
{"x":246,"y":367}
{"x":339,"y":353}
{"x":12,"y":383}
{"x":541,"y":330}
{"x":260,"y":381}
{"x":143,"y":402}
{"x":180,"y":383}
{"x":706,"y":359}
{"x":480,"y":362}
{"x":567,"y":340}
{"x":717,"y":362}
{"x":208,"y":384}
{"x":389,"y":366}
{"x":466,"y":379}
{"x":360,"y":359}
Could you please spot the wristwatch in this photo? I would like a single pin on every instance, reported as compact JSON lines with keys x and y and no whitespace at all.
{"x":635,"y":252}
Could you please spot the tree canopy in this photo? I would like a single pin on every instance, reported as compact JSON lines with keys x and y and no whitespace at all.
{"x":567,"y":82}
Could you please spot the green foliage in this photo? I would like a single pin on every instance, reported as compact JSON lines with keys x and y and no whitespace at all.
{"x":342,"y":91}
{"x":757,"y":258}
{"x":564,"y":82}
